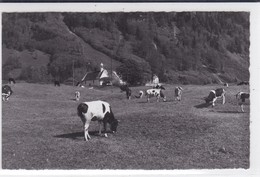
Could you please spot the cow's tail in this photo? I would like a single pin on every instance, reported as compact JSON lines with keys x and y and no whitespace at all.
{"x":140,"y":94}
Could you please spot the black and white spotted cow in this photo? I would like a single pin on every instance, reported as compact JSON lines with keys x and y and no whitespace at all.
{"x":96,"y":111}
{"x":214,"y":95}
{"x":155,"y":92}
{"x":178,"y":93}
{"x":241,"y":97}
{"x":77,"y":95}
{"x":6,"y":92}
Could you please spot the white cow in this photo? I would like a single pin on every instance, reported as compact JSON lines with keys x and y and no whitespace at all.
{"x":178,"y":93}
{"x":96,"y":111}
{"x":77,"y":95}
{"x":241,"y":97}
{"x":214,"y":95}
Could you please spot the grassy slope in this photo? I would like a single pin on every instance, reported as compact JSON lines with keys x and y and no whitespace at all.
{"x":40,"y":130}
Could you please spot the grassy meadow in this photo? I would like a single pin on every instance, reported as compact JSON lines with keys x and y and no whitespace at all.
{"x":41,"y":130}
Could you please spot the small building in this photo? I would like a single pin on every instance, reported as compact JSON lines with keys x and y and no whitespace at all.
{"x":91,"y":78}
{"x":102,"y":77}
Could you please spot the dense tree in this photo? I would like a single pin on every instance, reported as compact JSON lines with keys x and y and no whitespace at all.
{"x":131,"y":71}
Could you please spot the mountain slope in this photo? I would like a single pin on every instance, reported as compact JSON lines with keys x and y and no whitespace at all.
{"x":179,"y":47}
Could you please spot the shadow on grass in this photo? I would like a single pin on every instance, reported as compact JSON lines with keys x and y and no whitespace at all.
{"x":76,"y":135}
{"x":142,"y":102}
{"x":203,"y":105}
{"x":234,"y":112}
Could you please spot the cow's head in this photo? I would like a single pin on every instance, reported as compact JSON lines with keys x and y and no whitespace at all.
{"x":207,"y":100}
{"x":113,"y":125}
{"x":110,"y":118}
{"x":123,"y":88}
{"x":238,"y":95}
{"x":210,"y":97}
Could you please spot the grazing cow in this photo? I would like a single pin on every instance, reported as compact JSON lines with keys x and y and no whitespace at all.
{"x":241,"y":97}
{"x":56,"y":83}
{"x":123,"y":87}
{"x":96,"y":111}
{"x":11,"y":80}
{"x":6,"y":92}
{"x":178,"y":93}
{"x":77,"y":95}
{"x":226,"y":84}
{"x":127,"y":90}
{"x":128,"y":93}
{"x":214,"y":95}
{"x":155,"y":93}
{"x":141,"y":93}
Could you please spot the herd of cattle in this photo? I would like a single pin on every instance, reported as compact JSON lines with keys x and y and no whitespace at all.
{"x":101,"y":111}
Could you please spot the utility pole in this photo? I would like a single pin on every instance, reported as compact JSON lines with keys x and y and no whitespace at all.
{"x":73,"y":72}
{"x":111,"y":66}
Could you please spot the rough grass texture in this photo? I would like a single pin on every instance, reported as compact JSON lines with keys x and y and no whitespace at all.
{"x":41,"y":130}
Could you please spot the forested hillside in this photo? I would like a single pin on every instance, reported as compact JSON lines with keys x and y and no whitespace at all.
{"x":179,"y":47}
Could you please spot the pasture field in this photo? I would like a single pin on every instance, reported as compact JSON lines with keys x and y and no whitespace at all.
{"x":41,"y":130}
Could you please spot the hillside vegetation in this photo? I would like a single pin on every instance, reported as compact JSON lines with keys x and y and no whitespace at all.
{"x":180,"y":47}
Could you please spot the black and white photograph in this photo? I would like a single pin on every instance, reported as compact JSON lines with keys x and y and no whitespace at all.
{"x":163,"y":89}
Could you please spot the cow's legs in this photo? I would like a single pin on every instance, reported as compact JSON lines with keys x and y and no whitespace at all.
{"x":86,"y":134}
{"x":105,"y":125}
{"x":223,"y":99}
{"x":242,"y":109}
{"x":100,"y":128}
{"x":213,"y":102}
{"x":164,"y":98}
